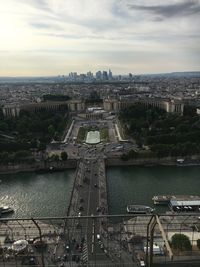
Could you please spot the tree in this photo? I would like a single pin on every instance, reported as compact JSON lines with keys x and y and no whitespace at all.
{"x":133,"y":154}
{"x":64,"y":155}
{"x":54,"y":157}
{"x":94,"y":97}
{"x":4,"y":157}
{"x":189,"y":110}
{"x":42,"y":146}
{"x":3,"y":126}
{"x":51,"y":130}
{"x":181,"y":242}
{"x":198,"y":243}
{"x":124,"y":157}
{"x":22,"y":156}
{"x":56,"y":97}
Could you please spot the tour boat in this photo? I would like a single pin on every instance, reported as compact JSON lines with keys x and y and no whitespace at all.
{"x":139,"y":209}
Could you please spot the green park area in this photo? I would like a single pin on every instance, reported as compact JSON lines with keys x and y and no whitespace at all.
{"x":104,"y":134}
{"x":163,"y":134}
{"x":31,"y":131}
{"x":82,"y":132}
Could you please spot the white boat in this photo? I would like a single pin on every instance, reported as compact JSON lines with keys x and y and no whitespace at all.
{"x":139,"y":209}
{"x":5,"y":209}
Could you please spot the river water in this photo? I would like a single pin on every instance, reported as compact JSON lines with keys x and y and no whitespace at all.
{"x":37,"y":195}
{"x":137,"y":185}
{"x":42,"y":195}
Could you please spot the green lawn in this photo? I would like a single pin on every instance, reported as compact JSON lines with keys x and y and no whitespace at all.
{"x":82,"y":134}
{"x":104,"y":134}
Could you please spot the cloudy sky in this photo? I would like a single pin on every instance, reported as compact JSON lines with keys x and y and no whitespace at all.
{"x":50,"y":37}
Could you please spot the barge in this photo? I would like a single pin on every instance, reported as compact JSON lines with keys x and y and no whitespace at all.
{"x":185,"y":205}
{"x":165,"y":199}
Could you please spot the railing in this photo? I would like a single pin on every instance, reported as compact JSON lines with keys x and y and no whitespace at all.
{"x":110,"y":240}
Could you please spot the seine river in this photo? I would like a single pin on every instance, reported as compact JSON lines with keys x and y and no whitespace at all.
{"x":43,"y":195}
{"x":137,"y":185}
{"x":37,"y":195}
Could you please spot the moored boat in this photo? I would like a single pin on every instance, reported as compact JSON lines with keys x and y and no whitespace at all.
{"x":165,"y":199}
{"x":139,"y":209}
{"x":161,"y":200}
{"x":5,"y":210}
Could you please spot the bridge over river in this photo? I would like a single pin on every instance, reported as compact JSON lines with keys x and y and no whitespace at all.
{"x":89,"y":198}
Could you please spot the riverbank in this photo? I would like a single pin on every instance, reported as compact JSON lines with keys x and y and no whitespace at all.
{"x":41,"y":166}
{"x":166,"y":161}
{"x":52,"y":166}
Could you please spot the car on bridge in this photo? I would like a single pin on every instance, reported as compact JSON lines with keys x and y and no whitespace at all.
{"x":98,"y":209}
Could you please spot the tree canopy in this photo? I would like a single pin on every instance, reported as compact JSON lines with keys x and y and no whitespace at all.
{"x":31,"y":130}
{"x":167,"y":134}
{"x":64,"y":155}
{"x":181,"y":242}
{"x":57,"y":97}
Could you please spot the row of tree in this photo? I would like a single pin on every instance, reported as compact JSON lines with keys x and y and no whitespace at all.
{"x":56,"y":97}
{"x":55,"y":157}
{"x":22,"y":156}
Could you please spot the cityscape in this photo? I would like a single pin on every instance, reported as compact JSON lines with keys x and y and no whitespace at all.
{"x":99,"y":133}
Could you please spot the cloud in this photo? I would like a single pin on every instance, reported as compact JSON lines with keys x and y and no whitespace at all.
{"x":42,"y":25}
{"x":105,"y":31}
{"x":184,"y":8}
{"x":39,"y":25}
{"x":41,"y":4}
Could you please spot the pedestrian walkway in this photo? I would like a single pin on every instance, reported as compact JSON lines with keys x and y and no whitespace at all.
{"x":84,"y":257}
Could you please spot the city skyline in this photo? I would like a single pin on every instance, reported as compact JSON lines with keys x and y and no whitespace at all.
{"x":44,"y":38}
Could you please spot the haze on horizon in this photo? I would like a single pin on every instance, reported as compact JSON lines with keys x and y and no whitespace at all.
{"x":51,"y":37}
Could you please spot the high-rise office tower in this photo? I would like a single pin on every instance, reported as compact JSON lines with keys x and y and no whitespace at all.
{"x":105,"y":75}
{"x":98,"y":75}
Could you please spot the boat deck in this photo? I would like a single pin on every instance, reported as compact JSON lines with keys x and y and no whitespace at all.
{"x":139,"y":209}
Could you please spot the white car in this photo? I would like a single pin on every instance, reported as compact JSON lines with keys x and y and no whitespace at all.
{"x":142,"y":263}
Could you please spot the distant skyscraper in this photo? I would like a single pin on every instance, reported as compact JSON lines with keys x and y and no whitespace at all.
{"x":110,"y":77}
{"x":130,"y":76}
{"x":89,"y":77}
{"x":82,"y":77}
{"x":119,"y":77}
{"x":89,"y":74}
{"x":105,"y":75}
{"x":73,"y":76}
{"x":98,"y":75}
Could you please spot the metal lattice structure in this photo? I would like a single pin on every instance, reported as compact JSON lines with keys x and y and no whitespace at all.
{"x":117,"y":240}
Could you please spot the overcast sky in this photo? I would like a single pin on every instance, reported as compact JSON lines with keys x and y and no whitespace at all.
{"x":51,"y":37}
